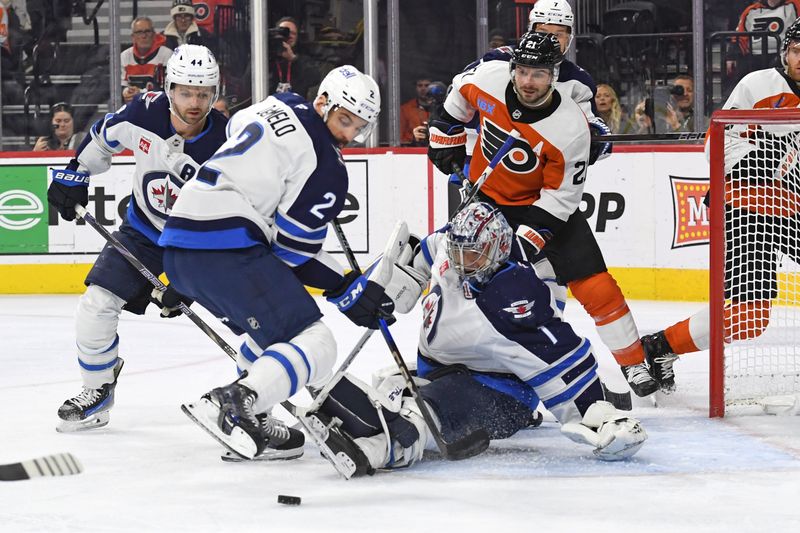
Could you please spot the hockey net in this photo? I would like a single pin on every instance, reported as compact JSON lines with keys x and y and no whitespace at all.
{"x":754,"y":291}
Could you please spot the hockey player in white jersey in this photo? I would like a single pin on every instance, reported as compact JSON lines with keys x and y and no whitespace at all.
{"x":492,"y":345}
{"x":255,"y":219}
{"x":170,"y":133}
{"x":752,"y":158}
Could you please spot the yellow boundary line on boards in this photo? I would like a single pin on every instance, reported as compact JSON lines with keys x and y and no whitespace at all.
{"x":636,"y":283}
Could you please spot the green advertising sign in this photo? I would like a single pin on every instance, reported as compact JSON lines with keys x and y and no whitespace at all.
{"x":23,"y":209}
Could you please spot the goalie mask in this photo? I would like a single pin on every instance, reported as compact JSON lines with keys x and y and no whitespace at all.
{"x":552,"y":12}
{"x":478,"y":242}
{"x":538,"y":51}
{"x":191,"y":65}
{"x":355,"y":91}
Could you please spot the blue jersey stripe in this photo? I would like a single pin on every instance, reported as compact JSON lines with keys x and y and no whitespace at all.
{"x":558,"y":369}
{"x":574,"y":389}
{"x":288,"y":256}
{"x":287,"y":365}
{"x":307,"y":247}
{"x":305,"y":359}
{"x":287,"y":226}
{"x":208,"y":240}
{"x":248,"y":354}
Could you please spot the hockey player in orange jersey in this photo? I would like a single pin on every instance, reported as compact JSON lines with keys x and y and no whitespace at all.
{"x":539,"y":184}
{"x":754,"y":257}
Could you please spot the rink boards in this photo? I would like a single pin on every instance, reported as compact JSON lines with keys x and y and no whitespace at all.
{"x":644,"y":204}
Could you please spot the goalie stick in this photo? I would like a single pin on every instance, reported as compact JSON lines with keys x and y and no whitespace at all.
{"x":468,"y":446}
{"x":60,"y":464}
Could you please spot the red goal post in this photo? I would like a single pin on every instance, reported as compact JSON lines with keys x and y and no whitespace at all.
{"x":757,"y":197}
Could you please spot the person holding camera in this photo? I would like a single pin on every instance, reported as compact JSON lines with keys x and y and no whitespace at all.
{"x":288,"y":70}
{"x":679,"y":112}
{"x":62,"y":130}
{"x":414,"y":114}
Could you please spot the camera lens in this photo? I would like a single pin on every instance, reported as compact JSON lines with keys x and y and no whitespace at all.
{"x":677,"y":90}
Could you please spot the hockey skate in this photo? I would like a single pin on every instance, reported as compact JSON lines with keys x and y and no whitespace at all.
{"x":336,"y":446}
{"x":281,"y":443}
{"x":660,"y":357}
{"x":226,"y":413}
{"x":89,"y":409}
{"x":640,"y":380}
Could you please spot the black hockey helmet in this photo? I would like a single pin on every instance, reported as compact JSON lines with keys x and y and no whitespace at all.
{"x":536,"y":49}
{"x":792,"y":35}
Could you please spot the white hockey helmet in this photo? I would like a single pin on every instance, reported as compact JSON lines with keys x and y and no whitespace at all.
{"x":193,"y":65}
{"x":551,"y":12}
{"x":349,"y":88}
{"x":478,"y":242}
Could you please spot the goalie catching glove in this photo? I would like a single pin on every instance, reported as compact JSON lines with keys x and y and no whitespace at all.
{"x":614,"y":435}
{"x":384,"y":288}
{"x":447,"y":145}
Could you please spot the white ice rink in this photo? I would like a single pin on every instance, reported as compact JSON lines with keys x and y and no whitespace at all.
{"x":151,"y":469}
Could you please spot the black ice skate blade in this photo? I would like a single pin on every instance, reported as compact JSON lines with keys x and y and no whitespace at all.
{"x":267,"y":455}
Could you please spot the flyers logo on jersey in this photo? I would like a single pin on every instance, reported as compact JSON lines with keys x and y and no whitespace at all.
{"x":521,"y":159}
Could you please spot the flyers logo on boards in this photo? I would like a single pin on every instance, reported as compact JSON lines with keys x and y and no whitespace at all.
{"x":689,"y":211}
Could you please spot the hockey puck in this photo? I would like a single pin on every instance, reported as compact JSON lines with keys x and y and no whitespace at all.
{"x":288,"y":500}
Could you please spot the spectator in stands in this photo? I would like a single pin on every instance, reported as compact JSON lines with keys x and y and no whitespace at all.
{"x":496,"y":38}
{"x":609,"y":109}
{"x":431,"y":102}
{"x":223,"y":106}
{"x":414,"y":113}
{"x":642,"y":121}
{"x":205,"y":13}
{"x":143,"y":63}
{"x":679,"y":112}
{"x":183,"y":30}
{"x":766,"y":15}
{"x":289,"y":70}
{"x":62,"y":130}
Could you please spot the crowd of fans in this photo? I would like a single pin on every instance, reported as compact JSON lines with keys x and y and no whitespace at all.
{"x":298,"y":59}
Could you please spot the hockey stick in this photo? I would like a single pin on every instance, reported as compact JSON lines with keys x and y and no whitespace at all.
{"x":60,"y":464}
{"x":620,"y":400}
{"x":199,"y":322}
{"x":647,"y":137}
{"x":153,"y":279}
{"x":468,"y":446}
{"x":473,"y":191}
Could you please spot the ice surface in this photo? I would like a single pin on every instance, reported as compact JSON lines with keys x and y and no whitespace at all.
{"x":151,"y":469}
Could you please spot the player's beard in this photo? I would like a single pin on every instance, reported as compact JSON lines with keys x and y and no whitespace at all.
{"x":191,"y":115}
{"x":532,"y":97}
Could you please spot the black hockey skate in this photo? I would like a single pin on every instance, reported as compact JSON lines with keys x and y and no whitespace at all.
{"x":226,"y":413}
{"x":281,"y":442}
{"x":336,"y":446}
{"x":89,"y":409}
{"x":640,"y":380}
{"x":660,"y":356}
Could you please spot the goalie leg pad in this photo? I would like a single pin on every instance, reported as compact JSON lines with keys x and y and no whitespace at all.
{"x":96,"y":320}
{"x":357,"y":405}
{"x":464,"y":405}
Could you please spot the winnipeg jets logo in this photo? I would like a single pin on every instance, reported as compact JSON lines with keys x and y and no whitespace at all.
{"x":521,"y":159}
{"x":160,"y":190}
{"x":520,"y":309}
{"x":164,"y":196}
{"x":431,"y":311}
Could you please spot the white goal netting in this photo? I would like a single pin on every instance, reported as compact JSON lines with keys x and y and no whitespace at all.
{"x":761,"y":306}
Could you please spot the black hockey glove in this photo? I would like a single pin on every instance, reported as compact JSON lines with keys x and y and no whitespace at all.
{"x":448,"y":145}
{"x":169,"y":301}
{"x":362,"y":301}
{"x":68,"y":189}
